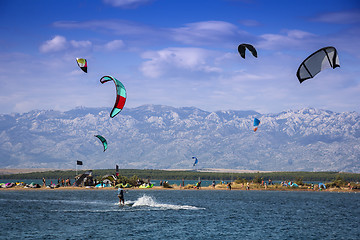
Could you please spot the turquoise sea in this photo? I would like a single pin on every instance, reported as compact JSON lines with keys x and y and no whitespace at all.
{"x":179,"y":214}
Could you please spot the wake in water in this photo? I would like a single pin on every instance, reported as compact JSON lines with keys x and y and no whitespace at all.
{"x":149,"y":202}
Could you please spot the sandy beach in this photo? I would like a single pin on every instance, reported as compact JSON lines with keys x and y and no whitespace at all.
{"x":235,"y":187}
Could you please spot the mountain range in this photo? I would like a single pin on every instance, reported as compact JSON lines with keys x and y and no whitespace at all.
{"x":163,"y":137}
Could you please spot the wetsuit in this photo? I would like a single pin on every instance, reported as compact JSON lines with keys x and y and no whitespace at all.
{"x":121,"y":194}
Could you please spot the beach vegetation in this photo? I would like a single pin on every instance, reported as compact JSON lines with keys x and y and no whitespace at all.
{"x":133,"y":181}
{"x":194,"y":175}
{"x":241,"y":180}
{"x":299,"y":181}
{"x":258,"y":178}
{"x":166,"y":185}
{"x":338,"y":183}
{"x":189,"y":186}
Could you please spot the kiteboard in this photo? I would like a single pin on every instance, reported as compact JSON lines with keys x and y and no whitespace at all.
{"x":127,"y":204}
{"x":130,"y":204}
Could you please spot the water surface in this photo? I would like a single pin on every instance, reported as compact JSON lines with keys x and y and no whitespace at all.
{"x":179,"y":214}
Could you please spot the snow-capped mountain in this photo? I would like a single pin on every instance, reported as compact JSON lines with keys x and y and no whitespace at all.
{"x":162,"y":137}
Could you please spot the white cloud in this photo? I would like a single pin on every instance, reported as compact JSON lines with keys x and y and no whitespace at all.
{"x":116,"y":27}
{"x":60,"y":43}
{"x":217,"y":33}
{"x":291,"y":38}
{"x":80,"y":44}
{"x":127,"y":3}
{"x":190,"y":59}
{"x":205,"y":32}
{"x":114,"y":45}
{"x":56,"y":44}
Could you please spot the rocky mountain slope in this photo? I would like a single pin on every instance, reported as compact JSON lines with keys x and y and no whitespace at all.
{"x":155,"y":136}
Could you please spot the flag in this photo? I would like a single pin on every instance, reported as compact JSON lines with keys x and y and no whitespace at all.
{"x":78,"y":162}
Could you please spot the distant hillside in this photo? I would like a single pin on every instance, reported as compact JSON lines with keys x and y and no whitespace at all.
{"x":162,"y":137}
{"x":9,"y":171}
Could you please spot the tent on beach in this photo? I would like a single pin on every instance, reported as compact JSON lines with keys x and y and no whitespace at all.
{"x":10,"y":185}
{"x":33,"y":185}
{"x":82,"y":178}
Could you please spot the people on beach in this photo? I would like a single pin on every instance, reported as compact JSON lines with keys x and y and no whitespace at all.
{"x":44,"y":182}
{"x":247,"y":186}
{"x":213,"y":184}
{"x":120,"y":194}
{"x":229,"y":185}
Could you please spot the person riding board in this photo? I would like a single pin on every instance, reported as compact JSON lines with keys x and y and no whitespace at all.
{"x":120,"y":194}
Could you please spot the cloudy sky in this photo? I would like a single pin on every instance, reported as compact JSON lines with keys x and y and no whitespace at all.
{"x":177,"y":53}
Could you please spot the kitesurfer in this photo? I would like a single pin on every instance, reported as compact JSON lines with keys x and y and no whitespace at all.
{"x":120,"y":194}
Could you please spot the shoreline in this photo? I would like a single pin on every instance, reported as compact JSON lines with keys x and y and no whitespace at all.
{"x":186,"y":188}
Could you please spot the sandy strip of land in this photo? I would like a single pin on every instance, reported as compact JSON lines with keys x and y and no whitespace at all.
{"x":208,"y":188}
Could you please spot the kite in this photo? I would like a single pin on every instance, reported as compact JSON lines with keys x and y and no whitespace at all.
{"x":82,"y":63}
{"x":120,"y":94}
{"x":256,"y":124}
{"x":103,"y":141}
{"x":243,"y":47}
{"x":196,"y":161}
{"x":321,"y":59}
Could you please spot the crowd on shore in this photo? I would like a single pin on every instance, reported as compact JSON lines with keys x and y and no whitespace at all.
{"x":219,"y":185}
{"x":60,"y":183}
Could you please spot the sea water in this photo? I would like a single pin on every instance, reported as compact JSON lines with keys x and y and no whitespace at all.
{"x":178,"y":214}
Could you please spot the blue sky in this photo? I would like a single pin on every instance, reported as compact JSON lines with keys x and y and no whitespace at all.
{"x":177,"y":53}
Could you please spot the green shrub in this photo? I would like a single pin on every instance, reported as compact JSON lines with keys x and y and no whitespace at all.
{"x":124,"y":180}
{"x":166,"y":185}
{"x":189,"y":186}
{"x":240,"y":180}
{"x":258,"y":179}
{"x":299,"y":181}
